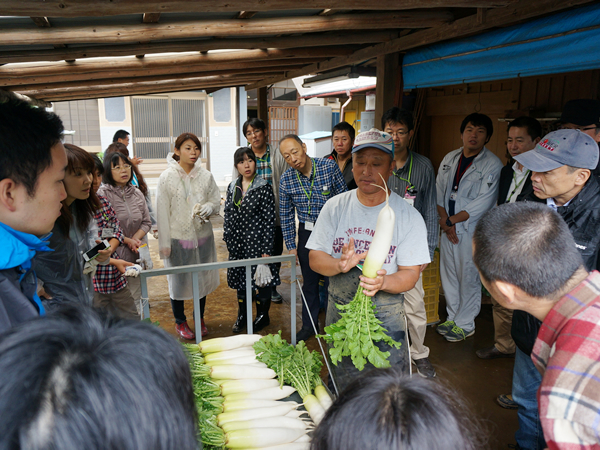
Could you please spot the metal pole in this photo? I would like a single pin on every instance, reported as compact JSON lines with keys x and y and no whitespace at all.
{"x":293,"y":301}
{"x":197,"y":313}
{"x":249,"y":299}
{"x":144,"y":306}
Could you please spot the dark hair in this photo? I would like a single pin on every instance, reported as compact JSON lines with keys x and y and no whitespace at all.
{"x":238,"y":156}
{"x":79,"y":159}
{"x":534,"y":127}
{"x":112,"y":160}
{"x":184,"y":137}
{"x":345,"y":126}
{"x":120,"y":148}
{"x":120,"y":134}
{"x":255,"y":123}
{"x":291,"y":136}
{"x":27,"y":135}
{"x":384,"y":410}
{"x":398,"y":115}
{"x":527,"y":245}
{"x":478,"y":120}
{"x":98,"y":164}
{"x":81,"y":379}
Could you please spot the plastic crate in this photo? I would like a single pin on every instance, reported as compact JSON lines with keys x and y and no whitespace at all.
{"x":432,"y":302}
{"x":431,"y":275}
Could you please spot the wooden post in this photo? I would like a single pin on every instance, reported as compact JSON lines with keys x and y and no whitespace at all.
{"x":389,"y":84}
{"x":261,"y":105}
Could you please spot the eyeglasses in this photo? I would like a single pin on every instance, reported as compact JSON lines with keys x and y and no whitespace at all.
{"x":120,"y":168}
{"x":252,"y":133}
{"x":397,"y":133}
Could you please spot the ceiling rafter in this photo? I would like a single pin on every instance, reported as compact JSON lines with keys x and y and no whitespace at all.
{"x":105,"y":34}
{"x":83,"y":8}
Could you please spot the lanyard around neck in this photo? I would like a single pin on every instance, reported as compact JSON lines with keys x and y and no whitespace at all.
{"x":311,"y":184}
{"x":517,"y":184}
{"x":239,"y":203}
{"x":409,"y":173}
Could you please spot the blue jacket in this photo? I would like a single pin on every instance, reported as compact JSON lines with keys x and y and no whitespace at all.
{"x":18,"y":284}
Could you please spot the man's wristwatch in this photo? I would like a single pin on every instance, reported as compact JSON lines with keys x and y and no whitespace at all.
{"x":448,"y":222}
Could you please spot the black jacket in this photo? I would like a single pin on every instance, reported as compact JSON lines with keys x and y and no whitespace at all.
{"x":506,"y":176}
{"x":582,"y":216}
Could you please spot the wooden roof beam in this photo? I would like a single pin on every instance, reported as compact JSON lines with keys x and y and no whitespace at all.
{"x":81,"y":8}
{"x":518,"y":11}
{"x":310,"y":40}
{"x":165,"y":70}
{"x":233,"y":27}
{"x":182,"y":63}
{"x":260,"y":71}
{"x":118,"y":91}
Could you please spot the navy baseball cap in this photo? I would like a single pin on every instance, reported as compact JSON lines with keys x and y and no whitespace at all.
{"x":559,"y":148}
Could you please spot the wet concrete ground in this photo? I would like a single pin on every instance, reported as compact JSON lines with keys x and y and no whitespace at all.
{"x":476,"y":381}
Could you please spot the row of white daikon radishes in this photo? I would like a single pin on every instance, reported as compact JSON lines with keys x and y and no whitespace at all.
{"x":253,"y":417}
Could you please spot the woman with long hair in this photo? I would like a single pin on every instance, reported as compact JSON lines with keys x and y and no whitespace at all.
{"x":186,"y":197}
{"x":64,"y":273}
{"x":249,"y":232}
{"x":130,"y":208}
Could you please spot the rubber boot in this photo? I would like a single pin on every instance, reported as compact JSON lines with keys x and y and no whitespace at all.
{"x":262,"y":314}
{"x":240,"y":323}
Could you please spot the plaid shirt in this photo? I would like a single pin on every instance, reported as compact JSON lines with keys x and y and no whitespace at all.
{"x":264,"y":166}
{"x":108,"y":279}
{"x":567,"y":354}
{"x":294,"y":189}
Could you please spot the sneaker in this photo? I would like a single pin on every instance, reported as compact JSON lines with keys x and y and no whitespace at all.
{"x":444,"y":328}
{"x":203,"y":328}
{"x":424,"y":368}
{"x":184,"y":331}
{"x":276,"y":296}
{"x":507,"y":402}
{"x":457,"y":334}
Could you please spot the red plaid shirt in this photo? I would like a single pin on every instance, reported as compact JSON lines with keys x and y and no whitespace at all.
{"x":567,"y":354}
{"x":108,"y":279}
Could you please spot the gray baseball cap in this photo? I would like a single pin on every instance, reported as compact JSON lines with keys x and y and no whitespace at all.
{"x":563,"y":147}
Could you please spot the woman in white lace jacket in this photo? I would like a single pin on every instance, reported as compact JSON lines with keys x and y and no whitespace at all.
{"x":186,"y":197}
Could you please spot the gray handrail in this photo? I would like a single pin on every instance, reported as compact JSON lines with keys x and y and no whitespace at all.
{"x":194,"y":269}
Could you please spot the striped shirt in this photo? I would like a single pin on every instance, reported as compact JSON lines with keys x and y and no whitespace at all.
{"x":422,"y":178}
{"x":567,"y":354}
{"x":325,"y":181}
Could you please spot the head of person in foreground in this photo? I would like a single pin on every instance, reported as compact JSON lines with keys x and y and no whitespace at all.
{"x":386,"y":410}
{"x":372,"y":160}
{"x":526,"y":256}
{"x":79,"y":379}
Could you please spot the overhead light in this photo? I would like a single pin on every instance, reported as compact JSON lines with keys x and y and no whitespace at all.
{"x":339,"y":75}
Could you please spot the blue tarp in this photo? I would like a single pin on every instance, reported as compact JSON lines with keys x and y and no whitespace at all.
{"x":564,"y":42}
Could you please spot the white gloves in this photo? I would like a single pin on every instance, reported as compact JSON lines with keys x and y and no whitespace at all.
{"x":262,"y":276}
{"x":202,"y":212}
{"x":154,"y":232}
{"x":90,"y":267}
{"x":145,"y":260}
{"x":133,"y":271}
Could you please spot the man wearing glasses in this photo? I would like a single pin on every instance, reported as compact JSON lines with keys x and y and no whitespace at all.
{"x":413,"y":179}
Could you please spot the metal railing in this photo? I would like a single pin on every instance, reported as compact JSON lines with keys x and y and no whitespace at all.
{"x":194,"y":269}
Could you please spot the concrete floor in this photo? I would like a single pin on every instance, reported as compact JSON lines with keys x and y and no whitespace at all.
{"x":477,"y":381}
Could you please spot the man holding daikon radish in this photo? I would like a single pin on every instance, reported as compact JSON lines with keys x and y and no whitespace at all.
{"x":347,"y":232}
{"x":467,"y":187}
{"x":303,"y":190}
{"x":413,"y":179}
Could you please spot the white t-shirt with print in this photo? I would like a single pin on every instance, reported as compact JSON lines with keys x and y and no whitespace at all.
{"x":344,"y":217}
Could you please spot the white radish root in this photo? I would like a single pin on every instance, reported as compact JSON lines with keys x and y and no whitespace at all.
{"x":273,"y":393}
{"x":262,"y":437}
{"x":229,"y":406}
{"x":255,"y":413}
{"x":271,"y":422}
{"x":228,"y":343}
{"x":234,"y":386}
{"x":323,"y":397}
{"x":240,"y":372}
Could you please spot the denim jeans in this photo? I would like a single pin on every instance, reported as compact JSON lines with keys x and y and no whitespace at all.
{"x":526,"y":382}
